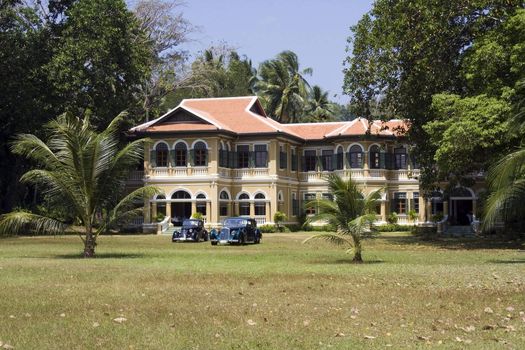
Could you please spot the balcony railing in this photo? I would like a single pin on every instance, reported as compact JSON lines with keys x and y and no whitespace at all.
{"x":250,"y":172}
{"x":178,"y":172}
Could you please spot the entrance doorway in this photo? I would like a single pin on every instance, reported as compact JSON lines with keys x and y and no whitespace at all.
{"x":461,"y":206}
{"x":181,"y":207}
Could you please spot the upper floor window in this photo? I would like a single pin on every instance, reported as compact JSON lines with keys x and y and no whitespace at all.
{"x":374,"y":155}
{"x":161,"y":155}
{"x":294,"y":160}
{"x":200,"y":154}
{"x":261,"y":156}
{"x":310,"y":206}
{"x":400,"y":155}
{"x":243,"y":156}
{"x":180,"y":154}
{"x":327,"y":160}
{"x":223,"y":156}
{"x":339,"y":160}
{"x":356,"y":157}
{"x":415,"y":202}
{"x":310,"y":160}
{"x":283,"y":157}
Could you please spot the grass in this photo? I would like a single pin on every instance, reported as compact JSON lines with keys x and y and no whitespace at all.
{"x":277,"y":295}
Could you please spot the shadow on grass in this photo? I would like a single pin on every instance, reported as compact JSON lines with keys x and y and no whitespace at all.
{"x":348,"y":261}
{"x":517,"y":261}
{"x":460,"y":243}
{"x":103,"y":256}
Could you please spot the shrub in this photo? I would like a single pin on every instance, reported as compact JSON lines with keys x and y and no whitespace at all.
{"x":393,"y":228}
{"x":437,"y":217}
{"x":197,"y":216}
{"x":294,"y":227}
{"x":392,"y":218}
{"x":268,"y":228}
{"x":279,"y":217}
{"x":412,"y":215}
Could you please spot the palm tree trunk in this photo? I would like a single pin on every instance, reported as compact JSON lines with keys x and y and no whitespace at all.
{"x":357,"y":251}
{"x":89,"y":244}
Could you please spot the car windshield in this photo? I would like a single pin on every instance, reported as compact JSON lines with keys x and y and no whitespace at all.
{"x":190,"y":223}
{"x":235,"y":222}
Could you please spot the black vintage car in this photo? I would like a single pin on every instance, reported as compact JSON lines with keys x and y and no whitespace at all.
{"x":237,"y":230}
{"x":192,"y":230}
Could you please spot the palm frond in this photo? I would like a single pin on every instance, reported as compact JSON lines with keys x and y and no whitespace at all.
{"x":331,"y":238}
{"x":18,"y":222}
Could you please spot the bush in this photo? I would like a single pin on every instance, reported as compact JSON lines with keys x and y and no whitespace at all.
{"x":197,"y":216}
{"x":279,"y":217}
{"x":268,"y":229}
{"x":392,"y":218}
{"x":437,"y":217}
{"x":294,"y":228}
{"x":393,"y":228}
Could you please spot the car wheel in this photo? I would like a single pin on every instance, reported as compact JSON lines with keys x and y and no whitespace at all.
{"x":213,"y":243}
{"x":206,"y":237}
{"x":243,"y":239}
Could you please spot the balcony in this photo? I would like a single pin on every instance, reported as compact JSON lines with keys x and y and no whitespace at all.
{"x":363,"y":174}
{"x":178,"y":172}
{"x":250,"y":173}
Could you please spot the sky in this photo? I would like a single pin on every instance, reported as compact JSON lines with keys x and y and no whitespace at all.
{"x":315,"y":30}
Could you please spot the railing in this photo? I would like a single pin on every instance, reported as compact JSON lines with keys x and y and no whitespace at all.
{"x":250,"y":172}
{"x":179,"y":171}
{"x":261,"y":220}
{"x":377,"y":173}
{"x":136,"y":175}
{"x":200,"y":171}
{"x":225,"y":172}
{"x":163,"y":225}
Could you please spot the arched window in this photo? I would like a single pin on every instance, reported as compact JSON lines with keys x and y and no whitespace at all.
{"x":224,"y":199}
{"x":200,"y":154}
{"x":181,"y":195}
{"x":355,"y":157}
{"x":374,"y":155}
{"x":201,"y":204}
{"x":244,"y":205}
{"x":339,"y":160}
{"x":260,"y":204}
{"x":161,"y":155}
{"x":181,"y":152}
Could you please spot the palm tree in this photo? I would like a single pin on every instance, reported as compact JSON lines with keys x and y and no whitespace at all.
{"x":318,"y":107}
{"x":283,"y":86}
{"x":86,"y":172}
{"x":350,"y":212}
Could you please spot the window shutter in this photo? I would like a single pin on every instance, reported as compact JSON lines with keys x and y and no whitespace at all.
{"x":251,"y":159}
{"x":153,"y":158}
{"x":172,"y":154}
{"x":206,"y":157}
{"x":393,"y":205}
{"x":191,"y":154}
{"x":382,"y":160}
{"x":412,"y":207}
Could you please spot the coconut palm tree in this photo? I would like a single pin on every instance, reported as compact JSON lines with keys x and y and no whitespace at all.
{"x":282,"y":84}
{"x":351,"y":212}
{"x":318,"y":107}
{"x":83,"y":170}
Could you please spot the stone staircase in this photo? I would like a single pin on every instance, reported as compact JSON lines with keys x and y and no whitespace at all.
{"x":459,"y":231}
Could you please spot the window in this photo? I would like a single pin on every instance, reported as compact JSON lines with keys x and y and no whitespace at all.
{"x":310,"y":209}
{"x":200,"y":154}
{"x":399,"y":203}
{"x":355,"y":157}
{"x":243,"y":156}
{"x":295,"y":204}
{"x":328,"y":196}
{"x":201,"y":204}
{"x":283,"y":157}
{"x":180,"y":154}
{"x":294,"y":160}
{"x":309,"y":160}
{"x":375,"y":160}
{"x":244,"y":205}
{"x":261,"y":156}
{"x":224,"y":199}
{"x":326,"y":160}
{"x":161,"y":155}
{"x":181,"y":195}
{"x":415,"y":202}
{"x":400,"y":158}
{"x":339,"y":158}
{"x":223,"y":156}
{"x":260,"y":204}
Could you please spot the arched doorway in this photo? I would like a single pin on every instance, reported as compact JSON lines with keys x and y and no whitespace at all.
{"x":180,"y":207}
{"x":461,"y":206}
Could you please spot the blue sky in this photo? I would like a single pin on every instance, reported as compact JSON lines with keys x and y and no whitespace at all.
{"x":315,"y":30}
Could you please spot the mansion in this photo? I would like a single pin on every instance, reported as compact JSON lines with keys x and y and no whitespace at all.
{"x":225,"y":157}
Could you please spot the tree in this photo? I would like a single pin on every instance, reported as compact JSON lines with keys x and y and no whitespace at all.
{"x":165,"y":31}
{"x":99,"y":58}
{"x":83,"y":171}
{"x":351,"y":212}
{"x":407,"y":51}
{"x":282,"y":87}
{"x":318,"y":107}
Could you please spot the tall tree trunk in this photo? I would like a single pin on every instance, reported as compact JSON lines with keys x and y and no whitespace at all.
{"x":89,"y":244}
{"x":357,"y":251}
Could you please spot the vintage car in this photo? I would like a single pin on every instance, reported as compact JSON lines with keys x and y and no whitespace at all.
{"x":191,"y":230}
{"x":237,"y":230}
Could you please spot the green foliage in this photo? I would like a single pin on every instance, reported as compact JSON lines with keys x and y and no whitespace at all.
{"x":318,"y":108}
{"x":81,"y":171}
{"x":348,"y":213}
{"x":437,"y":217}
{"x":268,"y":229}
{"x":197,"y":215}
{"x":393,"y":228}
{"x":392,"y":218}
{"x":278,"y":218}
{"x":412,"y":215}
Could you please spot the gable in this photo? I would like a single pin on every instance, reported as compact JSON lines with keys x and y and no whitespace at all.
{"x":181,"y":116}
{"x":257,"y":109}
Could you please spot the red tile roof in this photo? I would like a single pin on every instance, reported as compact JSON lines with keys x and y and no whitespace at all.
{"x":236,"y":115}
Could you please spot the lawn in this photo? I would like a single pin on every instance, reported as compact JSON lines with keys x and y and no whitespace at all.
{"x":278,"y":295}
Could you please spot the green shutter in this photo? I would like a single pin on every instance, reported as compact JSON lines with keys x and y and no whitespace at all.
{"x":382,"y":160}
{"x":191,"y":154}
{"x":172,"y":153}
{"x":153,"y":158}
